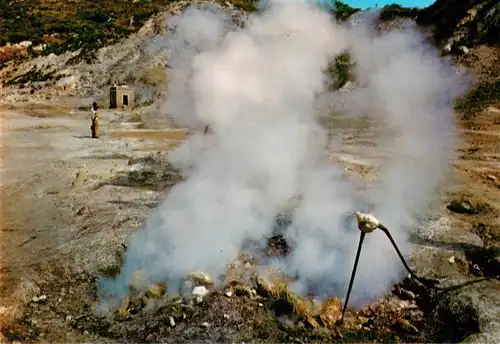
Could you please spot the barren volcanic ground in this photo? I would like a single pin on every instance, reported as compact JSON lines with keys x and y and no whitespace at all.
{"x":68,"y":203}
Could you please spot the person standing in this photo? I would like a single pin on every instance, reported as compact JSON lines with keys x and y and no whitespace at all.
{"x":94,"y":127}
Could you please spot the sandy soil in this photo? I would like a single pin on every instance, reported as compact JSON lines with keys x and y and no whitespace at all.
{"x":68,"y":202}
{"x":58,"y":200}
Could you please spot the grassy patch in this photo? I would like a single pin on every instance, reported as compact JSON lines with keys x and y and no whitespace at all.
{"x":343,"y":11}
{"x":340,"y":70}
{"x":33,"y":75}
{"x":42,"y":127}
{"x":71,"y":25}
{"x":110,"y":271}
{"x":478,"y":98}
{"x":393,"y":11}
{"x":246,"y":5}
{"x":266,"y":327}
{"x":43,"y":110}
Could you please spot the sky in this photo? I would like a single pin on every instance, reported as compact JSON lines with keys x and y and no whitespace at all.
{"x":371,"y":3}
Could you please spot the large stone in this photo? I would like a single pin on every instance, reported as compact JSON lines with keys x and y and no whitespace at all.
{"x":200,"y":278}
{"x":271,"y":280}
{"x":157,"y":290}
{"x":462,"y":207}
{"x":199,"y":293}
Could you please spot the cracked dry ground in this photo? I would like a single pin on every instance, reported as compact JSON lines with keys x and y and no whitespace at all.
{"x":69,"y":202}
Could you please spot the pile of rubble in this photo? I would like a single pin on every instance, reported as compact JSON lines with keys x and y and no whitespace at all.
{"x":247,"y":294}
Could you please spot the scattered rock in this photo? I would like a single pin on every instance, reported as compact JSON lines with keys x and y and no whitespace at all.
{"x":199,"y":293}
{"x":125,"y":303}
{"x":492,"y":177}
{"x":200,"y":278}
{"x":277,"y":247}
{"x":39,"y":299}
{"x":244,"y":290}
{"x":405,"y":325}
{"x":226,"y":316}
{"x":83,"y":210}
{"x":229,"y":293}
{"x":242,"y":270}
{"x":171,"y":321}
{"x":123,"y":309}
{"x":205,"y":325}
{"x":462,"y":207}
{"x":132,"y":305}
{"x":270,"y":281}
{"x":5,"y":310}
{"x":314,"y":306}
{"x":123,"y":313}
{"x":157,"y":290}
{"x":451,"y":259}
{"x":403,"y":293}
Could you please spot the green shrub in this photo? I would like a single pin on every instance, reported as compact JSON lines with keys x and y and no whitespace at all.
{"x":393,"y":11}
{"x":478,"y":98}
{"x":86,"y":24}
{"x":246,"y":5}
{"x":342,"y":11}
{"x":340,"y":70}
{"x":33,"y":75}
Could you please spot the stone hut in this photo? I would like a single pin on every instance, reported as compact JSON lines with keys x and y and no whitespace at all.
{"x":121,"y":97}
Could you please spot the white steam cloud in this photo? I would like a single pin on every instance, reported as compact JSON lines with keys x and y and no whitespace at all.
{"x":258,"y":88}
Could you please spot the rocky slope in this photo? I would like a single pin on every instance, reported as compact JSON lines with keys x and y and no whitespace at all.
{"x":467,"y":22}
{"x":469,"y":29}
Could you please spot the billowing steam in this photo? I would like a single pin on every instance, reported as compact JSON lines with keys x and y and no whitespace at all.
{"x":258,"y":87}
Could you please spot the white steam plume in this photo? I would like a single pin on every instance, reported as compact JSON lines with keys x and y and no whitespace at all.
{"x":257,"y":87}
{"x":409,"y":89}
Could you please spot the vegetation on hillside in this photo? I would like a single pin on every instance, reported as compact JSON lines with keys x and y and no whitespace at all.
{"x":71,"y":25}
{"x":56,"y":26}
{"x":478,"y":21}
{"x":34,"y":75}
{"x":478,"y":98}
{"x":394,"y":11}
{"x":246,"y":5}
{"x":340,"y":70}
{"x":343,"y":11}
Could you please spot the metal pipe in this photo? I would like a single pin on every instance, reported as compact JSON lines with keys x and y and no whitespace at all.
{"x":368,"y":223}
{"x":386,"y":231}
{"x":353,"y":273}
